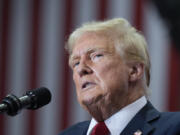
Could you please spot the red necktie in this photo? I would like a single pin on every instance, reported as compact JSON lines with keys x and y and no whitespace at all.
{"x":100,"y":129}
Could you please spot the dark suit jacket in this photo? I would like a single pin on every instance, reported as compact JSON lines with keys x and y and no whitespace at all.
{"x":148,"y":120}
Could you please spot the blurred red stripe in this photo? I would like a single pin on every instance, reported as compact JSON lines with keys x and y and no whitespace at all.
{"x":34,"y":56}
{"x":138,"y":14}
{"x":174,"y":80}
{"x":66,"y":80}
{"x":5,"y":14}
{"x":102,"y":12}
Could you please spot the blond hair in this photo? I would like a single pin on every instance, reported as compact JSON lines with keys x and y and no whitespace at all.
{"x":131,"y":41}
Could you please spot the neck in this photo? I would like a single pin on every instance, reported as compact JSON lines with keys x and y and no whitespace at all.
{"x":103,"y":110}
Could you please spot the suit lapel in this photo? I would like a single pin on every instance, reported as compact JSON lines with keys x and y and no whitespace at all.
{"x":142,"y":121}
{"x":82,"y":129}
{"x":79,"y":129}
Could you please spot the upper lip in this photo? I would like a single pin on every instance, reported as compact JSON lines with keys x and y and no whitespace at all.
{"x":84,"y":84}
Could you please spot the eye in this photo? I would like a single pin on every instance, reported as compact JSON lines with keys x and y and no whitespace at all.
{"x":97,"y":56}
{"x":76,"y":64}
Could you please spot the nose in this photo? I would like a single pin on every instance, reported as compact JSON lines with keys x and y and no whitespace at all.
{"x":83,"y":69}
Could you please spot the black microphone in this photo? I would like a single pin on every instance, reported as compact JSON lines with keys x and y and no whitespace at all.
{"x":32,"y":100}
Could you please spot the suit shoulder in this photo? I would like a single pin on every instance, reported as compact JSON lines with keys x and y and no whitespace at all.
{"x":171,"y":115}
{"x":78,"y":128}
{"x":168,"y":119}
{"x":170,"y":123}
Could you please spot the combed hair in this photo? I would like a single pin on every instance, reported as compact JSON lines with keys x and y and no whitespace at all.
{"x":125,"y":38}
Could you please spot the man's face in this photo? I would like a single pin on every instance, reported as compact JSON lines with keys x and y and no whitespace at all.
{"x":99,"y":72}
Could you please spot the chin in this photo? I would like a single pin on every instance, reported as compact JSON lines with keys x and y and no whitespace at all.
{"x":91,"y":100}
{"x":87,"y":101}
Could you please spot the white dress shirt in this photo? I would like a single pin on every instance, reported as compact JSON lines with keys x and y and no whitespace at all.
{"x":117,"y":122}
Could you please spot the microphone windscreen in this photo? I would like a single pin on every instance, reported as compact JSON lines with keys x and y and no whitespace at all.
{"x":38,"y":97}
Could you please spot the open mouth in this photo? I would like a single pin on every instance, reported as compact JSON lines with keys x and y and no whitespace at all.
{"x":87,"y":85}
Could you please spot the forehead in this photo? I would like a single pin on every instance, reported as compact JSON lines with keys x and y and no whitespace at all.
{"x":92,"y":41}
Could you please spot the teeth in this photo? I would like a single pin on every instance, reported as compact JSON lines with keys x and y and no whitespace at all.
{"x":85,"y":85}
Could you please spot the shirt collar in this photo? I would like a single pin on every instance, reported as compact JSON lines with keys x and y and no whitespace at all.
{"x":117,"y":122}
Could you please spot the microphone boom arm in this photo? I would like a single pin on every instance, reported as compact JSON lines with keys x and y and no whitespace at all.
{"x":11,"y":105}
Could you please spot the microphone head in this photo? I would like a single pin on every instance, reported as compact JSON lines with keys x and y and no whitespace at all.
{"x":38,"y":97}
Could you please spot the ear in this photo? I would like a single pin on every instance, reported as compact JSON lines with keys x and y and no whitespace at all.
{"x":136,"y":72}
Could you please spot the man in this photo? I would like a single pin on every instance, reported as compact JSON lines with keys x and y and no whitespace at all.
{"x":111,"y":71}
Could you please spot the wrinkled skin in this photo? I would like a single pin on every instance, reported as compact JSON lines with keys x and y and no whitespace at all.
{"x":101,"y":76}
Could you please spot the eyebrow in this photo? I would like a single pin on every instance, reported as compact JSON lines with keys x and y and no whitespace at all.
{"x":90,"y":50}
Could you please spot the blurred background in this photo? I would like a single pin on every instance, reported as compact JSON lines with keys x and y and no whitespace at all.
{"x":32,"y":38}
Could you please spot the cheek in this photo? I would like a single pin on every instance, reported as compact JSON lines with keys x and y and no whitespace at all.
{"x":76,"y":81}
{"x":77,"y":85}
{"x":112,"y":76}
